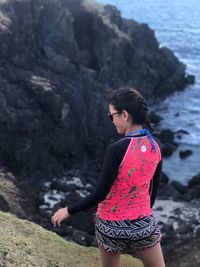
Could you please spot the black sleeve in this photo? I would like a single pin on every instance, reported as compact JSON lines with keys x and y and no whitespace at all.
{"x":155,"y":183}
{"x":105,"y":181}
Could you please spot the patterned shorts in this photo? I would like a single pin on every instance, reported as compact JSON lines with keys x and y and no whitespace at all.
{"x":127,"y":236}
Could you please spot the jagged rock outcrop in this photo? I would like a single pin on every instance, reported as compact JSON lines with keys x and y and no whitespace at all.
{"x":18,"y":198}
{"x":57,"y":60}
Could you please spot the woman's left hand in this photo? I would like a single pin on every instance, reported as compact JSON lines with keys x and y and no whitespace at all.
{"x":59,"y":216}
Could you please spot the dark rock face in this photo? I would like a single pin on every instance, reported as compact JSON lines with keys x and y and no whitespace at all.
{"x":168,"y":144}
{"x":3,"y":204}
{"x":17,"y":198}
{"x":184,"y":154}
{"x":154,"y":118}
{"x":179,"y":192}
{"x":179,"y":187}
{"x":195,"y":181}
{"x":169,"y":192}
{"x":58,"y":58}
{"x":185,"y":255}
{"x":168,"y":149}
{"x":166,"y":136}
{"x":190,"y":79}
{"x":194,"y":187}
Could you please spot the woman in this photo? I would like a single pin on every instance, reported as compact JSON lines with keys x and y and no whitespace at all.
{"x":127,"y":187}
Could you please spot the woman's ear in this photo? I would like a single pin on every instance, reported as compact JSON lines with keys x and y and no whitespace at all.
{"x":125,"y":115}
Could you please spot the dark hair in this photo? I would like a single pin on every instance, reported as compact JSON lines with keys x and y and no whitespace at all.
{"x":133,"y":102}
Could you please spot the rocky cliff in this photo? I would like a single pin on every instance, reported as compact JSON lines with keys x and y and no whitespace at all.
{"x":57,"y":61}
{"x":18,"y":198}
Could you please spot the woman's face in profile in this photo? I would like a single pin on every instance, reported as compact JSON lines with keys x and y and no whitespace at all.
{"x":117,"y":119}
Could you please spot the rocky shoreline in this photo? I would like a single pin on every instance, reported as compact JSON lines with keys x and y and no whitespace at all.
{"x":176,"y":208}
{"x":182,"y":217}
{"x":53,"y":110}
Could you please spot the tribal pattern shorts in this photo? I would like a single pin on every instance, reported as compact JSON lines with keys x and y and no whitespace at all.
{"x":127,"y":236}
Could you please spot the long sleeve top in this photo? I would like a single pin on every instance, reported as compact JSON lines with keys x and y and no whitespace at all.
{"x":112,"y":160}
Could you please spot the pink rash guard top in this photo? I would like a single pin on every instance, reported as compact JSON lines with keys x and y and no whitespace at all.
{"x":128,"y":198}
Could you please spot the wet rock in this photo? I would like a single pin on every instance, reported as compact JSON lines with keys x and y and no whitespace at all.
{"x":179,"y":187}
{"x":168,"y":144}
{"x":186,"y":153}
{"x":185,"y":229}
{"x":159,"y":208}
{"x":194,"y":181}
{"x":168,"y":192}
{"x":178,"y":212}
{"x":168,"y":149}
{"x":193,"y":188}
{"x":195,"y":221}
{"x":182,"y":132}
{"x":154,"y":118}
{"x":190,"y":79}
{"x":164,"y":179}
{"x":169,"y":233}
{"x":198,"y":233}
{"x":194,"y":192}
{"x":66,"y":185}
{"x":166,"y":136}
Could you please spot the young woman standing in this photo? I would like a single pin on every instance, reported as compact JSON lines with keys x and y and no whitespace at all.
{"x":127,"y":187}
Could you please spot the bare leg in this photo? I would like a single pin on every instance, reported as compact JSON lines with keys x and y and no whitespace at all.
{"x":109,"y":259}
{"x":151,"y":257}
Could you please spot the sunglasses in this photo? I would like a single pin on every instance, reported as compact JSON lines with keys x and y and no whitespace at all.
{"x":110,"y":115}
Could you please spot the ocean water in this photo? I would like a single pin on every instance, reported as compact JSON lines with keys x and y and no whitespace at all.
{"x":177,"y":26}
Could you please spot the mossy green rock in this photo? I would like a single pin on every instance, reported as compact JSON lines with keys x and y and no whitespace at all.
{"x":25,"y":244}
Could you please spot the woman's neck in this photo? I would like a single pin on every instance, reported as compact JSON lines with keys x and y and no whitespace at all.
{"x":133,"y":128}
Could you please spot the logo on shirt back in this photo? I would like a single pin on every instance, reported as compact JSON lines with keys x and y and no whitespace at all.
{"x":143,"y":148}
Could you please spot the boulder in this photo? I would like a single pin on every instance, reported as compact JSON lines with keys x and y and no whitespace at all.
{"x":18,"y":198}
{"x":154,"y":118}
{"x":168,"y":149}
{"x":166,"y":136}
{"x":169,"y":192}
{"x":186,"y":153}
{"x":195,"y":181}
{"x":179,"y":187}
{"x":164,"y":179}
{"x":190,"y":79}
